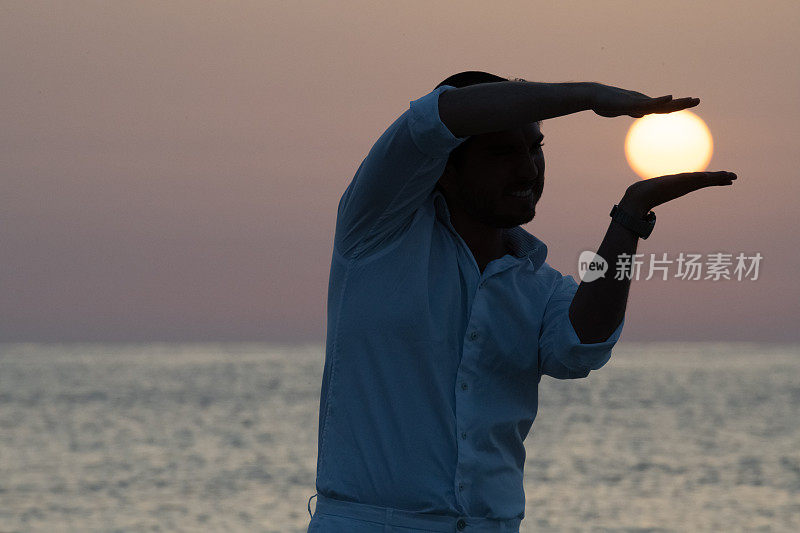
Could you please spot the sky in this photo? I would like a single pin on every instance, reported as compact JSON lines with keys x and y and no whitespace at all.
{"x":171,"y":171}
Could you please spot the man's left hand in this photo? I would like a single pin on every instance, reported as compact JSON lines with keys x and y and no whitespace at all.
{"x":644,"y":195}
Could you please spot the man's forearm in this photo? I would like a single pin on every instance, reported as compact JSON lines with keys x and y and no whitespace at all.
{"x":598,"y":306}
{"x":504,"y":105}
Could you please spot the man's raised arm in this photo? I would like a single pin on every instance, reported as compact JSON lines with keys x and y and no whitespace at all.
{"x":505,"y":105}
{"x":598,"y":307}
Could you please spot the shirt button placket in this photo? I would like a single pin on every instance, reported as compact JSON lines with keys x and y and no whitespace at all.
{"x":473,"y":335}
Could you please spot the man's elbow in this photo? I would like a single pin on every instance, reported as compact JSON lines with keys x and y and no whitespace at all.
{"x":449,"y":114}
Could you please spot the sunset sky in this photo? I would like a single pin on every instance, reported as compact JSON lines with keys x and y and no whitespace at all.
{"x":171,"y":171}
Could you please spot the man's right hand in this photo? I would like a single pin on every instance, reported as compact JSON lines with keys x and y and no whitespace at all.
{"x":608,"y":101}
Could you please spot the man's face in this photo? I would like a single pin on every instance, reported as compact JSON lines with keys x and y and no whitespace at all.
{"x":491,"y":168}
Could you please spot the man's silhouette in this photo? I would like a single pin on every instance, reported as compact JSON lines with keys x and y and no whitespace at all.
{"x":443,"y":314}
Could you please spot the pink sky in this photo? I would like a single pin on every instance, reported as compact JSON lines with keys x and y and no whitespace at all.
{"x":171,"y":172}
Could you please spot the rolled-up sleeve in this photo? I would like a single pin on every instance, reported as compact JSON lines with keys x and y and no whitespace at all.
{"x":561,"y":353}
{"x":399,"y":172}
{"x":426,"y":127}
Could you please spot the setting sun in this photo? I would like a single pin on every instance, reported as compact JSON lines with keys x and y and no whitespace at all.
{"x":668,"y":144}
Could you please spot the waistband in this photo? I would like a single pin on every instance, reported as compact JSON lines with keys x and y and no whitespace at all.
{"x":410,"y":519}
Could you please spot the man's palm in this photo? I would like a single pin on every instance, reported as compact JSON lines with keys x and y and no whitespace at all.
{"x":647,"y":194}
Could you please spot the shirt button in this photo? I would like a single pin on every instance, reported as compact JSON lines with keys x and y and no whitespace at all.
{"x":461,"y":524}
{"x":482,"y":285}
{"x":473,"y":335}
{"x":463,"y":434}
{"x":460,"y":486}
{"x":464,"y":385}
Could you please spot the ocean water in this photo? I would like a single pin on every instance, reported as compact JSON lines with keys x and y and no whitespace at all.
{"x":223,"y":437}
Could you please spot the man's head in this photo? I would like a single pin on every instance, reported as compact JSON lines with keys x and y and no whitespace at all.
{"x":482,"y":172}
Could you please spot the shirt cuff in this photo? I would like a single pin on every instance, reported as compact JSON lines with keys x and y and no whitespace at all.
{"x":427,"y":129}
{"x":582,"y":357}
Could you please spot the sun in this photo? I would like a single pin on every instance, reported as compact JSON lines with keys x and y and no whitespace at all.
{"x":669,"y":143}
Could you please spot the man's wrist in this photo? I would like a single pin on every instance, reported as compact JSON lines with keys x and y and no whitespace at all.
{"x":633,"y":206}
{"x":587,"y":89}
{"x":581,"y":93}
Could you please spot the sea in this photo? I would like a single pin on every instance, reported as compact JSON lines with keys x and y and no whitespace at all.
{"x":223,"y":437}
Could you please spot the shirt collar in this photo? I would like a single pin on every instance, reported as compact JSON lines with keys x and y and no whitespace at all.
{"x":523,"y":245}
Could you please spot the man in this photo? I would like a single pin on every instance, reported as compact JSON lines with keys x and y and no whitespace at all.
{"x":443,"y":314}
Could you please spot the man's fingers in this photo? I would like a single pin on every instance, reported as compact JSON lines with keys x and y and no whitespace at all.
{"x":698,"y":179}
{"x":665,"y":107}
{"x":722,"y":177}
{"x":668,"y":101}
{"x":683,"y":103}
{"x":660,"y":104}
{"x":675,"y":105}
{"x":705,"y":179}
{"x":715,"y":174}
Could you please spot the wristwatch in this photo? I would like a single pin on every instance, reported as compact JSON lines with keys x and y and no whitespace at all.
{"x":640,"y":226}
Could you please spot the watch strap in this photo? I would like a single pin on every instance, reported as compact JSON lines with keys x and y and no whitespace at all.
{"x":640,"y":226}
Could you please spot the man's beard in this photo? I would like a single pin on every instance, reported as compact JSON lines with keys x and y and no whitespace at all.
{"x":479,"y":207}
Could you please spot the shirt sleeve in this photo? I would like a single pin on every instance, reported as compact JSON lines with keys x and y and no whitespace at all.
{"x":561,"y":353}
{"x":399,"y":172}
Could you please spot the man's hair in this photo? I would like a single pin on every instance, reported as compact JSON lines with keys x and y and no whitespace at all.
{"x":465,"y":79}
{"x":472,"y":77}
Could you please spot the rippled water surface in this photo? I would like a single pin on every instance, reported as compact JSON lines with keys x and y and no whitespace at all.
{"x":222,"y":437}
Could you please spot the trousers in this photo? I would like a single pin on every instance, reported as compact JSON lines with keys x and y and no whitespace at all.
{"x":337,"y":516}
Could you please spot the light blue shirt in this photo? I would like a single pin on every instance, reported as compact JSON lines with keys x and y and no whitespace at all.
{"x":432,"y":368}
